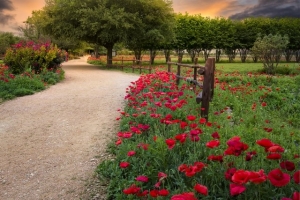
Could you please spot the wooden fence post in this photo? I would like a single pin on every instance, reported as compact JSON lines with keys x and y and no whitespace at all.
{"x":207,"y":84}
{"x":178,"y":70}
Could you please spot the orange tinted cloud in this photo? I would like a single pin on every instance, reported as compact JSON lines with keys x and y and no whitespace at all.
{"x":21,"y":10}
{"x":210,"y":8}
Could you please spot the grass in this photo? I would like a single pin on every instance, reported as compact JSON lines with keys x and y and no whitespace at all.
{"x":223,"y":65}
{"x":251,"y":107}
{"x":27,"y":83}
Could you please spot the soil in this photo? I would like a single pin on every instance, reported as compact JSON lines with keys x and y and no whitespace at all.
{"x":51,"y":142}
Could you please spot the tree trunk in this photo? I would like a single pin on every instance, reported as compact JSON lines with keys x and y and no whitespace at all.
{"x":180,"y":53}
{"x":206,"y":53}
{"x":297,"y":55}
{"x":218,"y":55}
{"x":152,"y":56}
{"x":243,"y":54}
{"x":167,"y":53}
{"x":109,"y":48}
{"x":138,"y":55}
{"x":288,"y":53}
{"x":97,"y":51}
{"x":231,"y":54}
{"x":192,"y":53}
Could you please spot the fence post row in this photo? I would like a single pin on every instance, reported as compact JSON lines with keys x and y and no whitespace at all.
{"x":206,"y":95}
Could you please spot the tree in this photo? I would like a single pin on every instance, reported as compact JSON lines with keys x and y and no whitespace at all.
{"x":269,"y":49}
{"x":6,"y":40}
{"x":152,"y":25}
{"x":223,"y":35}
{"x":291,"y":27}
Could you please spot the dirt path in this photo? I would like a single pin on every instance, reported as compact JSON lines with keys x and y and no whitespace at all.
{"x":51,"y":142}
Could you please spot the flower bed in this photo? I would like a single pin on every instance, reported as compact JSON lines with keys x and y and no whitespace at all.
{"x":249,"y":148}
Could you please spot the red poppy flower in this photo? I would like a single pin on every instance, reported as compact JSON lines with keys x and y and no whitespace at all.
{"x":131,"y":153}
{"x":296,"y":195}
{"x":215,"y":158}
{"x":193,"y":125}
{"x":163,"y":192}
{"x":199,"y":166}
{"x":275,"y":148}
{"x":191,"y":171}
{"x":124,"y":164}
{"x":181,"y":137}
{"x":208,"y":124}
{"x":263,"y":104}
{"x":118,"y":142}
{"x":236,"y":189}
{"x":274,"y":156}
{"x":215,"y":135}
{"x":285,"y":198}
{"x":162,"y":175}
{"x":144,"y":179}
{"x":229,"y":173}
{"x":191,"y":117}
{"x":201,"y":189}
{"x":202,"y":121}
{"x":142,"y":194}
{"x":249,"y":155}
{"x":171,"y":143}
{"x":297,"y":177}
{"x":154,"y":193}
{"x":213,"y":144}
{"x":241,"y":177}
{"x":258,"y":177}
{"x":278,"y":178}
{"x":182,"y":167}
{"x":133,"y":189}
{"x":184,"y":196}
{"x":265,"y":143}
{"x":287,"y":165}
{"x":183,"y":125}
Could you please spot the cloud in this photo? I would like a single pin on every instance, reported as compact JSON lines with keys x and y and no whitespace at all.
{"x":271,"y":8}
{"x":212,"y":8}
{"x":6,"y":5}
{"x":5,"y":18}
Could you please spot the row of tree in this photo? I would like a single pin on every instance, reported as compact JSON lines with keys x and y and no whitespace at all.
{"x":152,"y":25}
{"x":196,"y":33}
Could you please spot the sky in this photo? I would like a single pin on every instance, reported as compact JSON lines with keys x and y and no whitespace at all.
{"x":14,"y":12}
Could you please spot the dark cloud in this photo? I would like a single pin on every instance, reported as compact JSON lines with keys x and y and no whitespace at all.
{"x":5,"y":5}
{"x":5,"y":18}
{"x":271,"y":8}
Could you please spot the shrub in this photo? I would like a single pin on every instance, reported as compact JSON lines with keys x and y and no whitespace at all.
{"x":269,"y":49}
{"x":34,"y":56}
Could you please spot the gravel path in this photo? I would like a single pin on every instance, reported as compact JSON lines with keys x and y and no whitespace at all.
{"x":52,"y":141}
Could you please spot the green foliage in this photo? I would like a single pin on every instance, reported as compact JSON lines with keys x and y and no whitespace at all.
{"x":6,"y":40}
{"x":20,"y":86}
{"x":269,"y":49}
{"x":31,"y":55}
{"x":27,"y":83}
